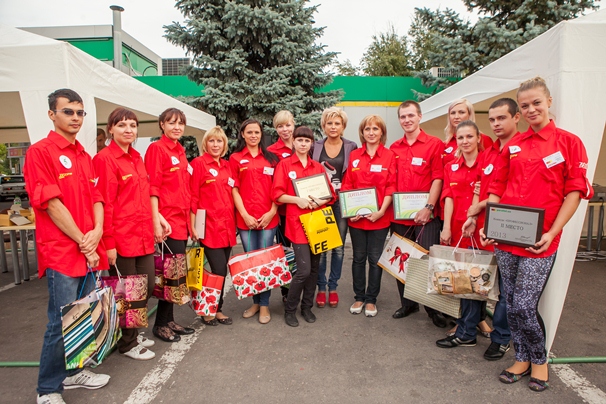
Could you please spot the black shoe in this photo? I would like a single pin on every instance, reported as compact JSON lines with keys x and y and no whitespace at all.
{"x":496,"y":351}
{"x":439,"y":320}
{"x":177,"y":329}
{"x":308,"y":315}
{"x":291,"y":319}
{"x":405,"y":311}
{"x":165,"y":334}
{"x":452,"y":341}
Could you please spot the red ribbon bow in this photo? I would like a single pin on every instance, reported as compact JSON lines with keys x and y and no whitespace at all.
{"x":399,"y":255}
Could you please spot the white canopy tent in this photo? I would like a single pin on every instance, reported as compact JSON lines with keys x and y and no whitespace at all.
{"x":32,"y":66}
{"x":571,"y":57}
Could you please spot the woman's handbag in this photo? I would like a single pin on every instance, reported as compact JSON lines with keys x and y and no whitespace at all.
{"x":321,"y":230}
{"x":171,"y":277}
{"x":206,"y":301}
{"x":130,"y":293}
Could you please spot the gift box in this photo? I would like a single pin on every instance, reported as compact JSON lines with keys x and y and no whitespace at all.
{"x":257,"y":271}
{"x":130,"y":293}
{"x":205,"y":301}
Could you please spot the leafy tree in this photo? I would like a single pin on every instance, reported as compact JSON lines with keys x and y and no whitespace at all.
{"x":387,"y":55}
{"x":347,"y":69}
{"x":4,"y":160}
{"x":444,"y":39}
{"x":254,"y":58}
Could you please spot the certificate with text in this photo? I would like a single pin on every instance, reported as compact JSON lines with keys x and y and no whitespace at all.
{"x":407,"y":204}
{"x":358,"y":202}
{"x":314,"y":185}
{"x":514,"y":225}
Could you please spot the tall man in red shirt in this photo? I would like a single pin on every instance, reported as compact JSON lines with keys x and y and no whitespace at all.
{"x":61,"y":183}
{"x":419,"y":169}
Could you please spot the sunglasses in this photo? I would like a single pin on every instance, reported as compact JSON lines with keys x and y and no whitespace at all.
{"x":70,"y":112}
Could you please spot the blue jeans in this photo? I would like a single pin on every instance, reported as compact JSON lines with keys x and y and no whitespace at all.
{"x":336,"y":255}
{"x":62,"y":290}
{"x":367,"y":245}
{"x":255,"y":240}
{"x":501,"y":333}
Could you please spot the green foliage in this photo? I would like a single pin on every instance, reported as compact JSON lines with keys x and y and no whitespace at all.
{"x":254,"y":58}
{"x":346,"y":69}
{"x":4,"y":161}
{"x":444,"y":39}
{"x":387,"y":55}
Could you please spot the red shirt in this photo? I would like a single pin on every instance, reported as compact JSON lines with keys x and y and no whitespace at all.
{"x":287,"y":170}
{"x":254,"y":178}
{"x":418,"y":165}
{"x":367,"y":172}
{"x":280,"y":149}
{"x":459,"y":182}
{"x":123,"y":182}
{"x":211,"y":185}
{"x":449,"y":151}
{"x":169,"y":174}
{"x":523,"y":177}
{"x":55,"y":168}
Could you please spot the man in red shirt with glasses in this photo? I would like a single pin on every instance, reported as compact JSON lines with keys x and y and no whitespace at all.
{"x":61,"y":184}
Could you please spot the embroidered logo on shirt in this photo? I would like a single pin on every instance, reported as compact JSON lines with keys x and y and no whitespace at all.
{"x":173,"y":169}
{"x":124,"y":177}
{"x":514,"y":149}
{"x":583,"y":165}
{"x":65,"y":161}
{"x":190,"y":169}
{"x":488,"y":169}
{"x":63,"y":175}
{"x":213,"y":172}
{"x":174,"y":160}
{"x":284,"y":155}
{"x":292,"y":175}
{"x":455,"y":167}
{"x":448,"y":150}
{"x":243,"y":161}
{"x":355,"y":163}
{"x":95,"y":181}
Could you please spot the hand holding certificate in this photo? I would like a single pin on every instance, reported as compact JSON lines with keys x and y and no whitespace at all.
{"x":314,"y":186}
{"x":359,"y":202}
{"x":407,"y":204}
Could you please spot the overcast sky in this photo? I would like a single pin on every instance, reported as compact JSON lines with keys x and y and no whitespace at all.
{"x":350,"y":24}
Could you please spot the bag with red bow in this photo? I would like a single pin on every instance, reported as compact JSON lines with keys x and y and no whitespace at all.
{"x":396,"y":254}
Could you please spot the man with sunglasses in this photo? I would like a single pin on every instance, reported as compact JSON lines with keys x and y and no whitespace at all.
{"x":61,"y":184}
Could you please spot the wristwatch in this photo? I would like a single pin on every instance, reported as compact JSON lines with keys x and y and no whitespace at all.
{"x":429,"y":206}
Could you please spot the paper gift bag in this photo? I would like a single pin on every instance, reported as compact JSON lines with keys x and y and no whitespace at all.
{"x":90,"y":328}
{"x":195,"y":267}
{"x":464,"y":273}
{"x":289,"y":253}
{"x":171,"y":278}
{"x":205,"y":302}
{"x":396,"y":254}
{"x":321,"y":230}
{"x":130,"y":293}
{"x":259,"y":270}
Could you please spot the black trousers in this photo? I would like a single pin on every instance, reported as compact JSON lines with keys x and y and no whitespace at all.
{"x":426,"y":236}
{"x":143,"y":265}
{"x":304,"y":280}
{"x":217,"y":259}
{"x":164,"y":315}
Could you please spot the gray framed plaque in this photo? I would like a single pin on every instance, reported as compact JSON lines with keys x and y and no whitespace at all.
{"x":514,"y":225}
{"x":315,"y":185}
{"x":361,"y":202}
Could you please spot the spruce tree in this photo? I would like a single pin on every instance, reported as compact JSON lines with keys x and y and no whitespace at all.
{"x":254,"y":58}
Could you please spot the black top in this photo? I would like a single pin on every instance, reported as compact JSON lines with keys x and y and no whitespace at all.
{"x":334,"y":167}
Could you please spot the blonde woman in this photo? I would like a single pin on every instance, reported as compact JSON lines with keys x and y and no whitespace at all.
{"x":458,"y":111}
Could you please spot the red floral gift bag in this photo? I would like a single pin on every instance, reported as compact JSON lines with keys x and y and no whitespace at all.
{"x":259,"y":270}
{"x":205,"y":302}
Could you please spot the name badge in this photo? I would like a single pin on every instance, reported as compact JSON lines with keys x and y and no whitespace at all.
{"x":553,"y":159}
{"x":268,"y":170}
{"x":375,"y":168}
{"x":190,"y":169}
{"x":417,"y":161}
{"x":231,"y":182}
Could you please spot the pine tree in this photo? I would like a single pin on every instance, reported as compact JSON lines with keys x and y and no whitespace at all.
{"x":444,"y":39}
{"x":254,"y":58}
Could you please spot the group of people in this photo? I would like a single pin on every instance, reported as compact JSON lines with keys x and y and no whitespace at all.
{"x":114,"y":210}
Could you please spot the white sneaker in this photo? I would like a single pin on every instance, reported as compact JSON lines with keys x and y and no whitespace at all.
{"x":86,"y":379}
{"x":53,"y":398}
{"x":140,"y":353}
{"x":141,"y":340}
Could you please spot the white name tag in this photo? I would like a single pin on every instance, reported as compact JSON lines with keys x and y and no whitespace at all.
{"x":553,"y":159}
{"x":231,"y":182}
{"x":190,"y":169}
{"x":376,"y":168}
{"x":268,"y":170}
{"x":417,"y":161}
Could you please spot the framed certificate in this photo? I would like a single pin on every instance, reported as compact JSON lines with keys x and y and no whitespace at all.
{"x":358,"y":202}
{"x":407,"y":204}
{"x":314,"y":185}
{"x":515,"y":225}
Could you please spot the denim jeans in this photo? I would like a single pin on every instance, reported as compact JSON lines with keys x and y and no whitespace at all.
{"x":336,"y":255}
{"x":62,"y":290}
{"x":367,"y":245}
{"x":255,"y":240}
{"x":500,"y":333}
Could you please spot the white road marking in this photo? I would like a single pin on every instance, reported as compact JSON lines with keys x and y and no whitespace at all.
{"x":7,"y":287}
{"x":583,"y":387}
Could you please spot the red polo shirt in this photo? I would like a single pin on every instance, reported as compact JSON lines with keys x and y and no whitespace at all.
{"x":55,"y":168}
{"x":287,"y":170}
{"x":368,"y":172}
{"x":280,"y":149}
{"x":538,"y":170}
{"x":169,"y":174}
{"x":254,"y":178}
{"x":459,"y":183}
{"x":449,"y":150}
{"x":417,"y":165}
{"x":211,"y":185}
{"x":123,"y":182}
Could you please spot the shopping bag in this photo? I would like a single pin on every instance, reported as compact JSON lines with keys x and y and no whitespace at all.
{"x":205,"y":302}
{"x":321,"y":230}
{"x":289,"y":254}
{"x":464,"y":273}
{"x":396,"y":254}
{"x":195,"y":267}
{"x":256,"y":271}
{"x":90,"y":328}
{"x":130,"y":293}
{"x":171,"y":277}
